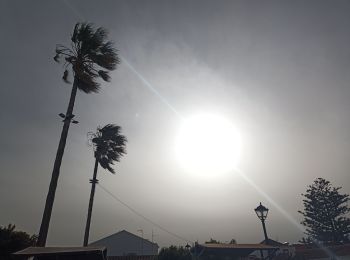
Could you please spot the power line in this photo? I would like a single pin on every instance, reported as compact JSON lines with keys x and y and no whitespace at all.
{"x":142,"y":216}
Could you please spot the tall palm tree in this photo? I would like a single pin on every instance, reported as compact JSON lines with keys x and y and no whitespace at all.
{"x":89,"y":57}
{"x":109,"y":147}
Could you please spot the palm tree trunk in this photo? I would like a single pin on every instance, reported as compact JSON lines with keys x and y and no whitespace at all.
{"x":91,"y":202}
{"x":44,"y":227}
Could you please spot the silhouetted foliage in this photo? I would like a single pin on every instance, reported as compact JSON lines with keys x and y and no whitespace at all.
{"x":12,"y":241}
{"x":233,"y":241}
{"x":325,"y":211}
{"x":212,"y":241}
{"x":174,"y":253}
{"x":109,"y":147}
{"x":90,"y":56}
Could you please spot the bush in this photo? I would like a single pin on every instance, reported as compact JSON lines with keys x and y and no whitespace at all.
{"x":12,"y":241}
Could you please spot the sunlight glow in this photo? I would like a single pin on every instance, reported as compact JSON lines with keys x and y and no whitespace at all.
{"x":208,"y":144}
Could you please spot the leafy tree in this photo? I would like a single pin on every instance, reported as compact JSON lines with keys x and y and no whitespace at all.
{"x":12,"y":241}
{"x":109,"y":147}
{"x":174,"y":253}
{"x":325,"y":211}
{"x":89,"y":58}
{"x":212,"y":241}
{"x":233,"y":241}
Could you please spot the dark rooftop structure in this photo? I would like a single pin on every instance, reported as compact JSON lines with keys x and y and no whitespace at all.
{"x":63,"y":253}
{"x":271,"y":242}
{"x":305,"y":252}
{"x":229,"y":250}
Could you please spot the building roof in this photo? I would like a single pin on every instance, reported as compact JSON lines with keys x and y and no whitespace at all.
{"x":271,"y":242}
{"x":239,"y":246}
{"x":98,"y":252}
{"x":238,"y":250}
{"x":313,"y":253}
{"x":126,"y":243}
{"x":127,"y":233}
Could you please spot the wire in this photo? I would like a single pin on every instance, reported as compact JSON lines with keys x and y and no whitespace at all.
{"x":142,"y":216}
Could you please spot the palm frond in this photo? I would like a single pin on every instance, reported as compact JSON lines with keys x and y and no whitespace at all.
{"x":75,"y":33}
{"x":108,"y":62}
{"x":89,"y":52}
{"x":97,"y":38}
{"x":84,"y":32}
{"x":109,"y":145}
{"x":65,"y":76}
{"x":104,"y":75}
{"x":86,"y":83}
{"x":57,"y":58}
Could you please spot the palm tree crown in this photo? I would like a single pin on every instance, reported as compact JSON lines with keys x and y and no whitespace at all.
{"x":90,"y":57}
{"x":109,"y":145}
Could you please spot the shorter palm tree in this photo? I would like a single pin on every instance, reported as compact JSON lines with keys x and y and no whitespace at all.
{"x":109,"y":147}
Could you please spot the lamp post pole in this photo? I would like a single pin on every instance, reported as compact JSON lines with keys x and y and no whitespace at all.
{"x":265,"y":233}
{"x":261,"y":211}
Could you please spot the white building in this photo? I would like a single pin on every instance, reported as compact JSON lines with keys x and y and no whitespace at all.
{"x":124,"y":243}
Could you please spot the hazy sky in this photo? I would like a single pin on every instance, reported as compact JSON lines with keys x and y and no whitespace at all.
{"x":278,"y":70}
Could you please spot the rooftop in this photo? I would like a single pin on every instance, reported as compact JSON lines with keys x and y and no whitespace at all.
{"x":238,"y":246}
{"x":59,"y":251}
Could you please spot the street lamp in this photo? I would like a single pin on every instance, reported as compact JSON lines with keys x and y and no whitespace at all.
{"x":261,"y":211}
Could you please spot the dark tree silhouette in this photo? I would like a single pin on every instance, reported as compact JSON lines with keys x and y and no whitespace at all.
{"x":12,"y":241}
{"x":174,"y":253}
{"x":89,"y":57}
{"x":212,"y":241}
{"x":109,"y":147}
{"x":325,"y":211}
{"x":233,"y":241}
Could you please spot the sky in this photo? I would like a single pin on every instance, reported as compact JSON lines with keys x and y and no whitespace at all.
{"x":277,"y":70}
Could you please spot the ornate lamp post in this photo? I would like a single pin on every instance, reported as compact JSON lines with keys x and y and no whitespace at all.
{"x":261,"y":211}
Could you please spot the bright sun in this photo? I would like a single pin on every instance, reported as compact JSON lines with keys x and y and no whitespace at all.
{"x":208,"y":144}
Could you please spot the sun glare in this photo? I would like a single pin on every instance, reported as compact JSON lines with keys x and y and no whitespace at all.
{"x":208,"y":144}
